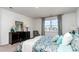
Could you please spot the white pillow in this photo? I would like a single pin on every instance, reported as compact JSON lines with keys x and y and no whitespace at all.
{"x":67,"y":39}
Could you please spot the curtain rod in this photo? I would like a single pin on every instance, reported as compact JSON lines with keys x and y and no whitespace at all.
{"x":50,"y":16}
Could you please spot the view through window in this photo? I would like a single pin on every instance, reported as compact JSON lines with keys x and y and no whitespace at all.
{"x":51,"y":25}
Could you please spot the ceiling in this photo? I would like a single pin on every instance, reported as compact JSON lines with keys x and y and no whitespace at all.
{"x":42,"y":11}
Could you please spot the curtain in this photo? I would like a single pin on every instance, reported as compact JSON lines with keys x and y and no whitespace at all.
{"x":42,"y":27}
{"x":59,"y":17}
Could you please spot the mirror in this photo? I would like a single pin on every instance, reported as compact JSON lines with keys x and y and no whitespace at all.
{"x":19,"y":26}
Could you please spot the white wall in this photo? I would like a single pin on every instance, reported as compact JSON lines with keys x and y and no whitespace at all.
{"x":8,"y":19}
{"x":77,"y":19}
{"x":37,"y":25}
{"x":0,"y":25}
{"x":69,"y":22}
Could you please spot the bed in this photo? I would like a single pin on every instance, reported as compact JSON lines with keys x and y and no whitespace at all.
{"x":27,"y":45}
{"x":66,"y":43}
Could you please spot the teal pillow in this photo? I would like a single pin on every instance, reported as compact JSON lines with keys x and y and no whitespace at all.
{"x":59,"y":41}
{"x":76,"y":34}
{"x":55,"y":38}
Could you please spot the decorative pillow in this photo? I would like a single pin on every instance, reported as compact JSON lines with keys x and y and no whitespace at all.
{"x":75,"y":43}
{"x":65,"y":47}
{"x":76,"y":34}
{"x":59,"y":41}
{"x":67,"y":39}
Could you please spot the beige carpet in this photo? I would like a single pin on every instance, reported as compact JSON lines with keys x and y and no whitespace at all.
{"x":8,"y":48}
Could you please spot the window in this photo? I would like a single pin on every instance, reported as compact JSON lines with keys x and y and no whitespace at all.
{"x":51,"y":24}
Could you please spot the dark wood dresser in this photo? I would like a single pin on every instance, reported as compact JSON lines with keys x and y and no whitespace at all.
{"x":15,"y":37}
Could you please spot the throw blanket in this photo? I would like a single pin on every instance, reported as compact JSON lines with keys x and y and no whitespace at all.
{"x":46,"y":44}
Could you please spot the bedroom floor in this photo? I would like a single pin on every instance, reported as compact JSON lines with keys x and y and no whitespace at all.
{"x":8,"y":48}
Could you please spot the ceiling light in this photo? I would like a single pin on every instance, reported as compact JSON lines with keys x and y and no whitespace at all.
{"x":36,"y":7}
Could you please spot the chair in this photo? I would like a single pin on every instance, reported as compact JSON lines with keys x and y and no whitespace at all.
{"x":35,"y":33}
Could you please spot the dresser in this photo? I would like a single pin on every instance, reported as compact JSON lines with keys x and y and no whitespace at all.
{"x":15,"y":37}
